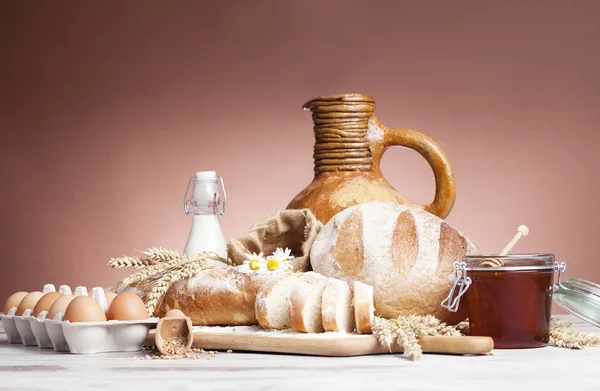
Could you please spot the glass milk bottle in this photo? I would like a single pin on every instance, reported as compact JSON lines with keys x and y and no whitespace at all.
{"x":202,"y":200}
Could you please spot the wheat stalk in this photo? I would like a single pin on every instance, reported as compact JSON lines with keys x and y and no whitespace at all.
{"x":405,"y":330}
{"x":406,"y":337}
{"x":563,"y":336}
{"x":384,"y":330}
{"x":152,"y":256}
{"x":464,"y":327}
{"x":152,"y":270}
{"x":389,"y":330}
{"x":427,"y":325}
{"x":161,"y":254}
{"x":157,"y":291}
{"x":159,"y":287}
{"x":160,"y":267}
{"x":129,"y":262}
{"x":156,"y":279}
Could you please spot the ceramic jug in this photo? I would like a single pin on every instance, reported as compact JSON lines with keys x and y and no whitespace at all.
{"x":349,"y":144}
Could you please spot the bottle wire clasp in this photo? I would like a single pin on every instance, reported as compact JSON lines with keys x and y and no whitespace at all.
{"x":188,"y":203}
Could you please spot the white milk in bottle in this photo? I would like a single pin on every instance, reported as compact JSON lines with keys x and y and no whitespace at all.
{"x":202,"y":201}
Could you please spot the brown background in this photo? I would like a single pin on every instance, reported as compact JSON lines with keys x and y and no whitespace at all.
{"x":107,"y":110}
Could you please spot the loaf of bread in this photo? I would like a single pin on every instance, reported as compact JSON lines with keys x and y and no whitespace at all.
{"x":404,"y":253}
{"x":222,"y":296}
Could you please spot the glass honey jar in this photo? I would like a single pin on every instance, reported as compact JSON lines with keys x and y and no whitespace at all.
{"x":509,"y":298}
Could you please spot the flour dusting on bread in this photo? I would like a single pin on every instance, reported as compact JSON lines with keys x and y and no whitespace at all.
{"x":402,"y":285}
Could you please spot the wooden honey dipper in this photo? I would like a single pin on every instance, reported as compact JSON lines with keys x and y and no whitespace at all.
{"x":522,"y":231}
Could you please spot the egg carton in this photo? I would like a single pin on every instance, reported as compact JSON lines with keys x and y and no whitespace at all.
{"x":104,"y":337}
{"x":49,"y":335}
{"x":79,"y":337}
{"x":18,"y":328}
{"x":55,"y":333}
{"x":40,"y":331}
{"x":10,"y":326}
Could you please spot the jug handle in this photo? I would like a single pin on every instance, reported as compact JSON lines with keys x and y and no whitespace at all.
{"x":445,"y":185}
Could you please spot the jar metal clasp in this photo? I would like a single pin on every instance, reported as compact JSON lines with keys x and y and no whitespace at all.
{"x":560,"y":268}
{"x":460,"y":286}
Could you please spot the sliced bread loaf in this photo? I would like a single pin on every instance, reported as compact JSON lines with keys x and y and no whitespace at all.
{"x":220,"y":296}
{"x":336,"y":307}
{"x":305,"y":303}
{"x":363,"y":307}
{"x":272,"y":305}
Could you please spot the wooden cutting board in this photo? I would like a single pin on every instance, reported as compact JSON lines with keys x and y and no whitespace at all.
{"x":255,"y":339}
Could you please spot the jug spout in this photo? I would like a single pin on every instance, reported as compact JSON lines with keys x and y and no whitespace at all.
{"x":341,"y":132}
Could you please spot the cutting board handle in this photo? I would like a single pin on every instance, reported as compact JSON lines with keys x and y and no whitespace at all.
{"x":456,"y":345}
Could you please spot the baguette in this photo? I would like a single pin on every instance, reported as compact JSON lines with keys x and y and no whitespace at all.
{"x":217,"y":297}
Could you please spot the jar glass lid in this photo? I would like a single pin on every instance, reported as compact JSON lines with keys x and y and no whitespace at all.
{"x":580,"y":298}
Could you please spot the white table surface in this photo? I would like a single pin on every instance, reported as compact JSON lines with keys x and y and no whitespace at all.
{"x":550,"y":368}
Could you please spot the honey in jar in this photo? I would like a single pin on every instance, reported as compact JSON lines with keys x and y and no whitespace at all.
{"x":509,"y":299}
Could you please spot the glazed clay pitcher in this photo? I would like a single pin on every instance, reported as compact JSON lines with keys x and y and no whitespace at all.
{"x":349,"y":144}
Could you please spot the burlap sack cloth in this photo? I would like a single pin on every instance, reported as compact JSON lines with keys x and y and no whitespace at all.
{"x":294,"y":229}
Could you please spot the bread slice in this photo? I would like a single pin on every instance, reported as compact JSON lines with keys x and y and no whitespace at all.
{"x":336,"y":307}
{"x":272,"y":305}
{"x":363,"y":307}
{"x":305,"y":303}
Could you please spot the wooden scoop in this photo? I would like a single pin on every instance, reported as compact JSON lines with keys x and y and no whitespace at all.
{"x":174,"y":333}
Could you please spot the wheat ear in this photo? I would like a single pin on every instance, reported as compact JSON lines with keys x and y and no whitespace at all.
{"x":161,"y":285}
{"x":405,"y":330}
{"x":150,"y":271}
{"x":129,"y":262}
{"x":563,"y":336}
{"x":162,"y":254}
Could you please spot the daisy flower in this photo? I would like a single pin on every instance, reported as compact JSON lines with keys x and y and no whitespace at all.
{"x":282,"y":255}
{"x":279,"y":260}
{"x":274,"y":264}
{"x":254,"y":263}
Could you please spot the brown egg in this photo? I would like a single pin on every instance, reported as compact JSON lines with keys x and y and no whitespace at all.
{"x":45,"y":302}
{"x":84,"y":309}
{"x":29,"y":302}
{"x":13,"y":301}
{"x":109,"y":297}
{"x":127,"y":306}
{"x":60,"y":305}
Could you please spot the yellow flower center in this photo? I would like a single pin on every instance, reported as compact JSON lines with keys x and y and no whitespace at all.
{"x":254,"y":264}
{"x":273,"y":264}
